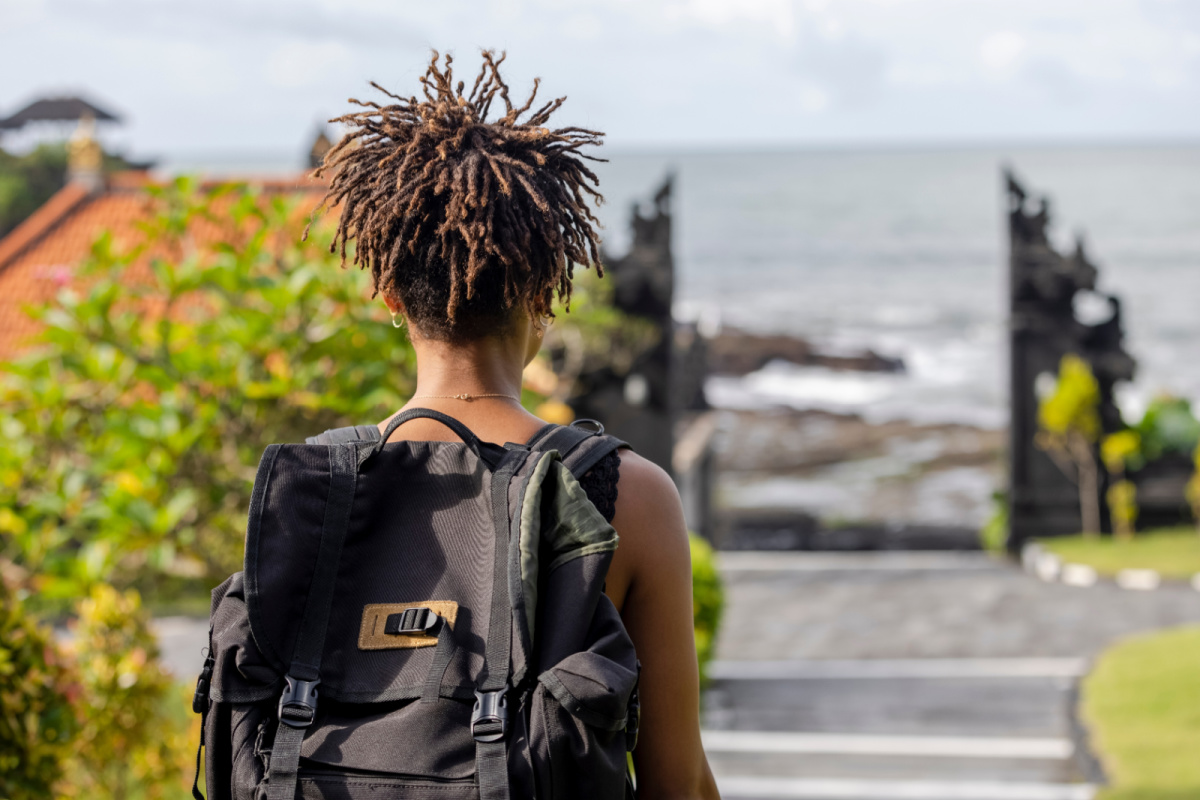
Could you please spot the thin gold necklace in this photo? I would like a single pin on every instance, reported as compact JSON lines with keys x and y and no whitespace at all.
{"x":464,"y":396}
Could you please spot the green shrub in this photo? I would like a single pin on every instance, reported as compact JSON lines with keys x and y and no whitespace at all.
{"x":129,"y":744}
{"x":1168,"y":427}
{"x":708,"y":600}
{"x":37,"y":721}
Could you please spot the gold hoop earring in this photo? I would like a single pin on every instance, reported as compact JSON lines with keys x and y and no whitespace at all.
{"x":397,"y":323}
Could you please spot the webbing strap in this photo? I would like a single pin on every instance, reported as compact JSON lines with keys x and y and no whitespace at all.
{"x":568,"y":440}
{"x":441,"y":659}
{"x":297,"y":706}
{"x":196,"y":795}
{"x":488,"y":723}
{"x":499,"y":641}
{"x":580,"y":463}
{"x":491,"y":769}
{"x":565,"y":439}
{"x":285,"y":763}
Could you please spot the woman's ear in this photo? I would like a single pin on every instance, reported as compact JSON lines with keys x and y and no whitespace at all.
{"x":393,"y":303}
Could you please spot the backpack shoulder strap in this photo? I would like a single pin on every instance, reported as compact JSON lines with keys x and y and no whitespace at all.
{"x":352,"y":433}
{"x":298,"y":702}
{"x":579,"y":447}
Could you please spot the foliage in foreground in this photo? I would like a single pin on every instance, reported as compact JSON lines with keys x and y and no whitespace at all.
{"x":37,"y":719}
{"x":126,"y":744}
{"x":1142,"y":705}
{"x":93,"y":718}
{"x":132,"y":431}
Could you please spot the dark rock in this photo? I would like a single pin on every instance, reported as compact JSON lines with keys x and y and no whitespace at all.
{"x":736,"y":352}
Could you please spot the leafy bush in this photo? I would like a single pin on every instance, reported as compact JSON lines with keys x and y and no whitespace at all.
{"x":1168,"y":427}
{"x":37,"y":721}
{"x":130,"y":435}
{"x":126,"y":742}
{"x":708,"y":600}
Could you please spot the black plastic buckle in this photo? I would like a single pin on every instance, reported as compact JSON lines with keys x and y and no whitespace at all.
{"x":298,"y":703}
{"x":200,"y":698}
{"x":411,"y":621}
{"x":489,"y":718}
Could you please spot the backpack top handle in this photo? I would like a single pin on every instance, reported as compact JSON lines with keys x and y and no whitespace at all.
{"x":463,"y":432}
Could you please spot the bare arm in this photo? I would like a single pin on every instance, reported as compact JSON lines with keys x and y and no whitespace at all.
{"x":651,"y":582}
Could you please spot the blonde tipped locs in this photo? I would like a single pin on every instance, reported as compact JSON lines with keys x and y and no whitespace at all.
{"x":460,"y":217}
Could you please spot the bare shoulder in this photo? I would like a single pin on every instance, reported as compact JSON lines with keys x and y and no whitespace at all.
{"x":649,"y":514}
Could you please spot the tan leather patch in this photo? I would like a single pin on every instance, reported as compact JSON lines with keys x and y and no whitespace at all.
{"x":372,"y":637}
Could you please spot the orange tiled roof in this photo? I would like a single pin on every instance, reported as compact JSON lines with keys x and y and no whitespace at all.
{"x":41,"y":254}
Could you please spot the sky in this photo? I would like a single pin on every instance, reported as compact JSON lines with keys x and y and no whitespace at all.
{"x":258,"y":76}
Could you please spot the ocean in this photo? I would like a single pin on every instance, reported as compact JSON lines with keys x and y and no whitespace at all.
{"x":905,"y":252}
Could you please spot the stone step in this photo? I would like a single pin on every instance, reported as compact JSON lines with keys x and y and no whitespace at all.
{"x":744,"y":787}
{"x":900,"y":706}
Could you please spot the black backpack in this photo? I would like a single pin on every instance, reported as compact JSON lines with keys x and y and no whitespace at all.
{"x":421,"y":620}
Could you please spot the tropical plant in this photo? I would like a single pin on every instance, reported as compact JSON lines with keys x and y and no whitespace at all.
{"x":1121,"y":452}
{"x":131,"y":433}
{"x":127,"y":743}
{"x":1069,"y":427}
{"x":37,"y":719}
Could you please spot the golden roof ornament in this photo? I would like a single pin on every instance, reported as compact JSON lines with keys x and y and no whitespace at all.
{"x":85,"y":159}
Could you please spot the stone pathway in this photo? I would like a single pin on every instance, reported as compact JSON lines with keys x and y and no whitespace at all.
{"x":914,"y":676}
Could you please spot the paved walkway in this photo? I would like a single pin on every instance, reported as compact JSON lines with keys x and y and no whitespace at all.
{"x":914,"y":676}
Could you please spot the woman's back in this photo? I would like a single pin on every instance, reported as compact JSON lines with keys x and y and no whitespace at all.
{"x":471,"y":228}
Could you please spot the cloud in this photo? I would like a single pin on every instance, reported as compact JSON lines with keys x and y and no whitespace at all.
{"x":1001,"y":51}
{"x":1055,"y":79}
{"x":648,"y":71}
{"x":847,"y":70}
{"x":301,"y":63}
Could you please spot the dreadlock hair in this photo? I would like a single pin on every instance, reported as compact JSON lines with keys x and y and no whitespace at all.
{"x":461,"y":218}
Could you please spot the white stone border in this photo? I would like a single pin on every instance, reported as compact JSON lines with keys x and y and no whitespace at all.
{"x":1046,"y":566}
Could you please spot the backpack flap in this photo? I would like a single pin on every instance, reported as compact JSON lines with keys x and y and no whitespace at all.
{"x":417,"y":551}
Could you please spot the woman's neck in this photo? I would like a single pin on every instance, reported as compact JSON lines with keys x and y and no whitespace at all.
{"x":490,"y":366}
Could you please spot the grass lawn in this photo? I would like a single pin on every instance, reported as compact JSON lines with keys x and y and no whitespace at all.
{"x":1174,"y":552}
{"x":1142,"y":705}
